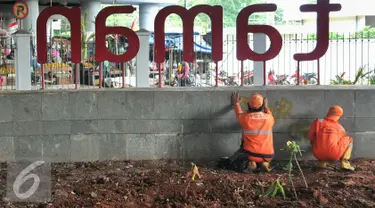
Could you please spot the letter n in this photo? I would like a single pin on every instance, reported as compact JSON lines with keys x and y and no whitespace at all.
{"x":74,"y":17}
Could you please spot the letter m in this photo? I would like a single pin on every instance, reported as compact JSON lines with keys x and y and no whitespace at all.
{"x":74,"y":17}
{"x":216,"y":16}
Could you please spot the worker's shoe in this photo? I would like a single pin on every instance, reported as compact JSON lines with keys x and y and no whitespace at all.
{"x":251,"y":167}
{"x":345,"y":164}
{"x":321,"y":164}
{"x":266,"y":166}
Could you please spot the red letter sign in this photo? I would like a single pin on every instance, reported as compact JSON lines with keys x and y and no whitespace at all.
{"x":74,"y":17}
{"x":244,"y":52}
{"x":102,"y":52}
{"x":322,"y":8}
{"x":214,"y":12}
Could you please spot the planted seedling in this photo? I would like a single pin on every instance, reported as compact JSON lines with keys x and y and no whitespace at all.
{"x":275,"y":188}
{"x":293,"y":148}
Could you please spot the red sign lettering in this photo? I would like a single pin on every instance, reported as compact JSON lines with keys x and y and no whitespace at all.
{"x":101,"y":31}
{"x":243,"y":50}
{"x":74,"y":17}
{"x":322,"y":8}
{"x":216,"y":16}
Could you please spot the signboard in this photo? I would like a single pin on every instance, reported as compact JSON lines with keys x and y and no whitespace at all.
{"x":322,"y":9}
{"x":20,"y":10}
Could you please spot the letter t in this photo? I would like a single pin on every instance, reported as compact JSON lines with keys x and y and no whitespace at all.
{"x":322,"y":8}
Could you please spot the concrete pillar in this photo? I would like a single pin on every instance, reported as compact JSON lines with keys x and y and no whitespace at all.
{"x":29,"y":23}
{"x":92,"y":8}
{"x":259,"y":46}
{"x":147,"y":14}
{"x":22,"y":60}
{"x":143,"y":56}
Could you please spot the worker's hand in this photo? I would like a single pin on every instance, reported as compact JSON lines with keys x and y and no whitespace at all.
{"x":235,"y":98}
{"x":265,"y":102}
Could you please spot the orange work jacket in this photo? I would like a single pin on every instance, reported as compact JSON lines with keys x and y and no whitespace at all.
{"x":256,"y":133}
{"x":328,"y":139}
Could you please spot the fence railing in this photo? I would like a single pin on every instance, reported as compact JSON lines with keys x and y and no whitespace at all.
{"x":347,"y":61}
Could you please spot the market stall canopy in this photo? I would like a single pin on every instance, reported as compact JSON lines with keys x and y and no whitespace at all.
{"x":175,"y":40}
{"x":200,"y":45}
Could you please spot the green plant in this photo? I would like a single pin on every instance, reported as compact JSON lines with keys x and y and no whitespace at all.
{"x":367,"y":32}
{"x":293,"y":148}
{"x":360,"y":75}
{"x":332,"y":36}
{"x":372,"y":80}
{"x":275,"y":188}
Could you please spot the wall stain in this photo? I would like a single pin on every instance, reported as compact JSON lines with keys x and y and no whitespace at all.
{"x":281,"y":109}
{"x":299,"y":131}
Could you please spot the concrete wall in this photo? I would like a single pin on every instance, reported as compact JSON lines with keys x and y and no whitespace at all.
{"x":188,"y":123}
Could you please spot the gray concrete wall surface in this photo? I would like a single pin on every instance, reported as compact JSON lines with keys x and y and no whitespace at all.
{"x":189,"y":123}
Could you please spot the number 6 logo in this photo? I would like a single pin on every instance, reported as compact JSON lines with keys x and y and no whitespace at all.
{"x":22,"y":177}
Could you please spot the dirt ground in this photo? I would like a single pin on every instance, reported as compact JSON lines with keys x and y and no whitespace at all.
{"x":168,"y":184}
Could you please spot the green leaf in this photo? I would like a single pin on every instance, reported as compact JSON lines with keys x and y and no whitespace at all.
{"x":281,"y":188}
{"x":274,"y":192}
{"x":270,"y":189}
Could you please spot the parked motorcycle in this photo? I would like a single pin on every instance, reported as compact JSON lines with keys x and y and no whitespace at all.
{"x":277,"y":79}
{"x":282,"y":80}
{"x":228,"y":80}
{"x":306,"y":78}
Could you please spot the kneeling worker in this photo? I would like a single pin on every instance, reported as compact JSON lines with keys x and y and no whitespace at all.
{"x":257,"y":138}
{"x":328,"y":140}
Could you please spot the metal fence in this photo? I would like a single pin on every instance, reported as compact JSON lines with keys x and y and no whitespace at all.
{"x":7,"y":66}
{"x":347,"y":61}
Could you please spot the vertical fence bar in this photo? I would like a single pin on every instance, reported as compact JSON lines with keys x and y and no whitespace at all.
{"x":76,"y":75}
{"x":361,"y":49}
{"x":284,"y":47}
{"x":343,"y":52}
{"x":160,"y":78}
{"x":217,"y":74}
{"x":368,"y":56}
{"x":349,"y":59}
{"x":355,"y":54}
{"x":100,"y":74}
{"x":42,"y":75}
{"x":242,"y":74}
{"x":318,"y":66}
{"x":298,"y":75}
{"x":264,"y":73}
{"x":337,"y":53}
{"x":123,"y":74}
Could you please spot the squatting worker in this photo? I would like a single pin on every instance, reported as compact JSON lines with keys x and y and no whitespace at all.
{"x":257,"y":139}
{"x":329,"y":141}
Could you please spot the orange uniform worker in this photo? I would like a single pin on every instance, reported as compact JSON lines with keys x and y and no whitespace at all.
{"x":328,"y":140}
{"x":257,"y":139}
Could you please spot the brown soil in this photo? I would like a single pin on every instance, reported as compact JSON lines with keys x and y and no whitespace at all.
{"x":168,"y":184}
